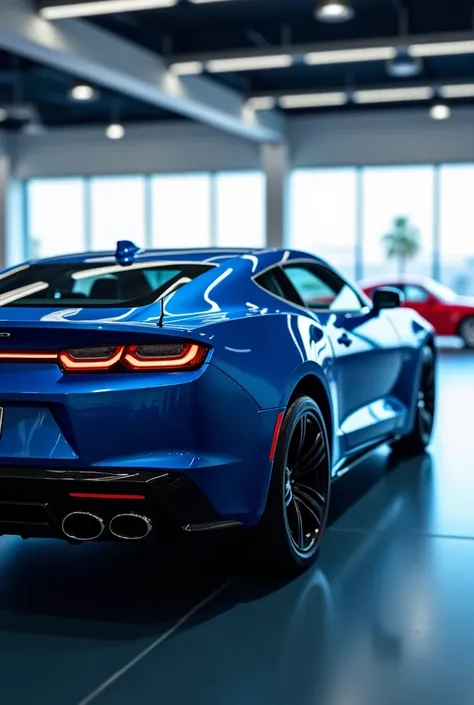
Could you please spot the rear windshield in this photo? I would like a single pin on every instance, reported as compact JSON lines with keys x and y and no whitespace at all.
{"x":94,"y":285}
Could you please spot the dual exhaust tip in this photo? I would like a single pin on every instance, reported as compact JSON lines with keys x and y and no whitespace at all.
{"x":85,"y":526}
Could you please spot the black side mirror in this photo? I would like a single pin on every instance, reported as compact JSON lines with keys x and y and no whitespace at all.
{"x":387,"y":297}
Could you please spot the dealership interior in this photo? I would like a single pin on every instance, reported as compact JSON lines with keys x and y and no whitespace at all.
{"x":343,"y":128}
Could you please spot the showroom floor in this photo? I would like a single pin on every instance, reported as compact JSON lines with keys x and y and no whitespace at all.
{"x":385,"y":617}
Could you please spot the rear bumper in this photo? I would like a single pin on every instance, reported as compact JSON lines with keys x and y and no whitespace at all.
{"x":34,"y":501}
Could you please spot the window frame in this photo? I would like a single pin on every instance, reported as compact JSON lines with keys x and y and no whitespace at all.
{"x":287,"y":284}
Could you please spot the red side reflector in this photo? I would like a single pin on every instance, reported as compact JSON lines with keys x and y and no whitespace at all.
{"x":90,"y":495}
{"x":275,"y":434}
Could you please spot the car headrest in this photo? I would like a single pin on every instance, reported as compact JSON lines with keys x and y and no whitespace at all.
{"x":105,"y":288}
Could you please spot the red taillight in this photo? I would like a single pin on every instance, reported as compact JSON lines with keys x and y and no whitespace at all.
{"x":89,"y":359}
{"x":165,"y":357}
{"x":143,"y":357}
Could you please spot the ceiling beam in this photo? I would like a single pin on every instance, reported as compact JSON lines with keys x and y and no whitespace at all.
{"x":87,"y":52}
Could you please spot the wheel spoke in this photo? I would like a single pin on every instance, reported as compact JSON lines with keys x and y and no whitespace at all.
{"x":318,"y":497}
{"x":312,"y":459}
{"x":299,"y":526}
{"x":313,"y":507}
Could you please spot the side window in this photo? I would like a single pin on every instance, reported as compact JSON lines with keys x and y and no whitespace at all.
{"x":322,"y":289}
{"x":415,"y":294}
{"x":269,"y":281}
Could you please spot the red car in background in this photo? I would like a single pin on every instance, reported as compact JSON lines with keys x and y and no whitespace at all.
{"x":447,"y":312}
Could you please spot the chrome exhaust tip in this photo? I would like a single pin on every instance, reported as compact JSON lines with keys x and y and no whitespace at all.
{"x":82,"y":526}
{"x":130,"y":527}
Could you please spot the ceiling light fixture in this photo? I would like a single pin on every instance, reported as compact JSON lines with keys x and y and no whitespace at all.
{"x":187,"y":68}
{"x":262,"y":102}
{"x":312,"y":100}
{"x":393,"y":95}
{"x":462,"y":90}
{"x":343,"y":56}
{"x":334,"y":11}
{"x":115,"y":131}
{"x":82,"y":91}
{"x":403,"y":65}
{"x":249,"y":63}
{"x":101,"y":7}
{"x":440,"y":111}
{"x":442,"y":48}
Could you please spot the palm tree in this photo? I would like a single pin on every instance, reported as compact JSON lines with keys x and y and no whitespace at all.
{"x":402,"y":243}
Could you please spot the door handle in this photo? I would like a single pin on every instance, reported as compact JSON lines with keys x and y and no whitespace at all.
{"x":345,"y":340}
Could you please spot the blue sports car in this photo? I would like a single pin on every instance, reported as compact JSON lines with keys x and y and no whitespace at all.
{"x":145,"y":394}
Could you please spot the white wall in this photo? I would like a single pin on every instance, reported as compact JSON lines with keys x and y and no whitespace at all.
{"x":170,"y":147}
{"x":381,"y":137}
{"x":378,"y":137}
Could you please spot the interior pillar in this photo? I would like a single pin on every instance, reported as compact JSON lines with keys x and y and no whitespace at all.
{"x":275,"y":165}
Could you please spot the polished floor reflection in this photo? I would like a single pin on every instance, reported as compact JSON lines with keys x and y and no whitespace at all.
{"x":385,"y":617}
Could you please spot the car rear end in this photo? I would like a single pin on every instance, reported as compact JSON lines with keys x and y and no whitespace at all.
{"x":116,"y":428}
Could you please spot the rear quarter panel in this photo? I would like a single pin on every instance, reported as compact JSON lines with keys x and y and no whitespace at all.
{"x":268,"y":354}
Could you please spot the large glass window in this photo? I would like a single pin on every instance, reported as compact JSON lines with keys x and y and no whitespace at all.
{"x":398,"y":204}
{"x":323,"y":215}
{"x":56,"y":223}
{"x":117,"y":211}
{"x":181,"y":210}
{"x":457,"y":227}
{"x":240,"y":209}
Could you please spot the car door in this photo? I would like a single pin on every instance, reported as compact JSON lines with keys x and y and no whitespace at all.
{"x":368,"y":358}
{"x":427,"y":305}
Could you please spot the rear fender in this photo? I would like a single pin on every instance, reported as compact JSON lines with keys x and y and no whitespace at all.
{"x":268,"y":354}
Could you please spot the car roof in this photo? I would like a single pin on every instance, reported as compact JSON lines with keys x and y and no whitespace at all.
{"x":263,"y":258}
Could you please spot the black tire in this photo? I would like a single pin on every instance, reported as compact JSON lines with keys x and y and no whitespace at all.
{"x":466,"y":332}
{"x":416,"y":442}
{"x":289,"y":533}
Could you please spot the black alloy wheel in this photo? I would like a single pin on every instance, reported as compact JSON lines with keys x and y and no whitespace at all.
{"x":295,"y":517}
{"x":417,"y":441}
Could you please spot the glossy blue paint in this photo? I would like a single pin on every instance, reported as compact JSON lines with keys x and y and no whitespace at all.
{"x":214,"y":424}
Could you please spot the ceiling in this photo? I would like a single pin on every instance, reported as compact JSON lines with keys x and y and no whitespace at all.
{"x":191,"y":31}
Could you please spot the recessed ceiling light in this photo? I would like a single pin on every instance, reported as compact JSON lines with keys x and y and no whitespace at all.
{"x":249,"y":63}
{"x":312,"y":100}
{"x":442,"y":48}
{"x":393,"y":95}
{"x":3,"y":114}
{"x":461,"y":90}
{"x":440,"y":111}
{"x":101,"y":7}
{"x":115,"y":131}
{"x":343,"y":56}
{"x":262,"y":102}
{"x":334,"y":10}
{"x":187,"y":68}
{"x":82,"y":91}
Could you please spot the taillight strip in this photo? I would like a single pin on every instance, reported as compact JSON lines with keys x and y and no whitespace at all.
{"x":28,"y":356}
